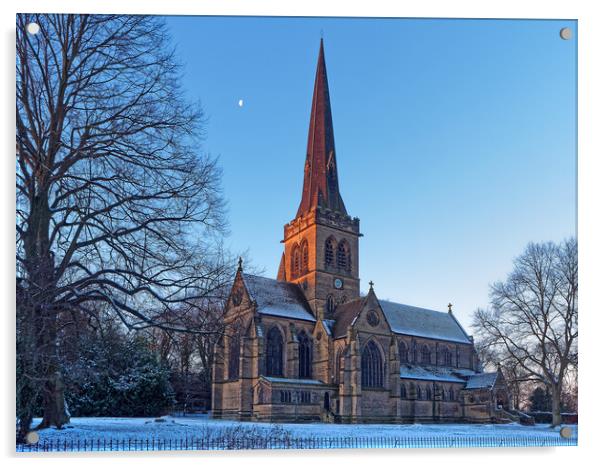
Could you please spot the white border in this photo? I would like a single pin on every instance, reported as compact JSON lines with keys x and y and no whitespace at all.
{"x":589,"y":194}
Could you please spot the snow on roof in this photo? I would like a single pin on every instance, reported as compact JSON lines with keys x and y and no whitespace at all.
{"x":437,"y":374}
{"x":483,"y":380}
{"x":329,"y":326}
{"x":278,"y":298}
{"x":295,"y":381}
{"x":416,"y":321}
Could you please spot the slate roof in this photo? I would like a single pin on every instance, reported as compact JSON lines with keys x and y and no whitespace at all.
{"x":436,"y":374}
{"x":276,"y":298}
{"x":482,"y":380}
{"x":344,"y":315}
{"x":416,"y":321}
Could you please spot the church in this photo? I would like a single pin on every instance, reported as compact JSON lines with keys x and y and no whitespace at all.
{"x":308,"y":346}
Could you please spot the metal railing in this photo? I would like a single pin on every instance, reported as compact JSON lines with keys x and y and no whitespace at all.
{"x":226,"y":443}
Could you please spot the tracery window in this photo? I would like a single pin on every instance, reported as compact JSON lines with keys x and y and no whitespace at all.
{"x":446,"y":357}
{"x":305,"y":356}
{"x":304,"y":257}
{"x":343,"y":256}
{"x":296,"y":263}
{"x":329,"y":249}
{"x":273,"y":353}
{"x":372,"y":367}
{"x":403,"y":352}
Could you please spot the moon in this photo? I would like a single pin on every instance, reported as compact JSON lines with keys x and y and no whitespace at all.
{"x":241,"y":103}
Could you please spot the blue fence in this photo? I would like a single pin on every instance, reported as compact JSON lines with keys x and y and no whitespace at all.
{"x":153,"y":444}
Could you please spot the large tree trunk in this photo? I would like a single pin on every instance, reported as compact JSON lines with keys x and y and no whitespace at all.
{"x":556,"y":414}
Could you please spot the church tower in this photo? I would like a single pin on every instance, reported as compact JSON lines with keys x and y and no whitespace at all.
{"x":321,"y":242}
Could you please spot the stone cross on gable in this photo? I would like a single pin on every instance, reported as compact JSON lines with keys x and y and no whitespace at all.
{"x":449,"y":307}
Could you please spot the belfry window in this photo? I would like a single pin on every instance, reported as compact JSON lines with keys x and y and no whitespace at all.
{"x":296,"y":265}
{"x":273,"y":353}
{"x":329,"y":248}
{"x":305,"y":356}
{"x":372,"y":367}
{"x":343,"y":256}
{"x":304,"y":257}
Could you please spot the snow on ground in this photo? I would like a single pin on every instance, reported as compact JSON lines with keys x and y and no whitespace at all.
{"x":205,"y":427}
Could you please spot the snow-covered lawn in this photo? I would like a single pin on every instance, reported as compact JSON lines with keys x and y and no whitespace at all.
{"x":204,"y":427}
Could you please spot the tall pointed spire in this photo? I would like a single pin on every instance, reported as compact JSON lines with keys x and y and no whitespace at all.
{"x":320,"y":183}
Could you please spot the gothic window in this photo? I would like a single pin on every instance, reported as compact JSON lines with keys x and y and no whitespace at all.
{"x":304,"y":257}
{"x":343,"y":256}
{"x":329,"y":251}
{"x":446,"y":357}
{"x":451,"y":394}
{"x":429,"y":393}
{"x":372,"y":367}
{"x":443,"y":395}
{"x":337,"y":366}
{"x":330,"y":305}
{"x":305,"y":358}
{"x":425,"y":355}
{"x":273,"y":353}
{"x":285,"y":396}
{"x":296,"y":265}
{"x":233,"y":357}
{"x":403,"y":352}
{"x":418,"y":392}
{"x":403,"y":393}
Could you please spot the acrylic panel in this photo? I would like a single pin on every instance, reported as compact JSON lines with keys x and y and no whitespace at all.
{"x":304,"y":233}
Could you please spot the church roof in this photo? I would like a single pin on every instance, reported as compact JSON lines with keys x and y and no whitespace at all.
{"x":277,"y":298}
{"x":482,"y":380}
{"x":419,"y":322}
{"x":320,"y":183}
{"x":435,"y":374}
{"x":344,"y":316}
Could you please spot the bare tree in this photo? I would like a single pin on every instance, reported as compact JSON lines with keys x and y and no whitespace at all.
{"x":115,"y":203}
{"x":532,"y":323}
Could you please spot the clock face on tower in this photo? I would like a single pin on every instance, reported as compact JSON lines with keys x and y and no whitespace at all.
{"x":338,"y":283}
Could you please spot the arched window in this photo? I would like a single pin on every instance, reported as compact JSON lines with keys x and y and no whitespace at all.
{"x":446,"y":357}
{"x":425,"y":355}
{"x":304,"y":257}
{"x":403,"y":393}
{"x":443,"y":394}
{"x":343,"y":256}
{"x":372,"y":367}
{"x":329,"y":249}
{"x":330,"y":305}
{"x":233,"y":357}
{"x":273,"y":353}
{"x":452,"y":395}
{"x":296,"y":264}
{"x":418,"y":392}
{"x":337,"y":366}
{"x":305,"y":356}
{"x":403,"y":352}
{"x":429,"y":393}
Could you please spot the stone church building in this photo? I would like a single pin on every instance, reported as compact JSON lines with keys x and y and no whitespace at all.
{"x":308,"y":346}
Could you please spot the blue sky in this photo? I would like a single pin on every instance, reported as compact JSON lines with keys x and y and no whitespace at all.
{"x":456,"y":139}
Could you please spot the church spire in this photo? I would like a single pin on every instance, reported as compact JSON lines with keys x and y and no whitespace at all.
{"x":320,"y":183}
